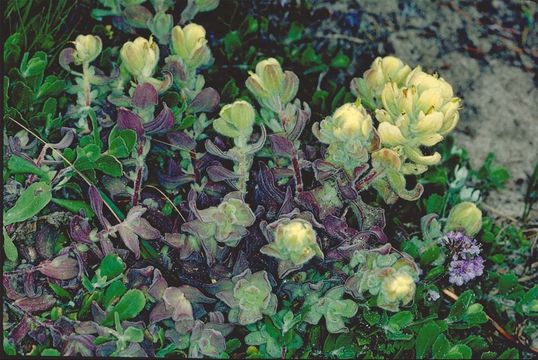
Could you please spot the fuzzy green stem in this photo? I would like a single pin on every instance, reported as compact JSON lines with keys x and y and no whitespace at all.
{"x":242,"y":169}
{"x":86,"y":87}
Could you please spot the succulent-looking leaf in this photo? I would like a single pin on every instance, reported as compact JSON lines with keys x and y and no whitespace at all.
{"x":30,"y":203}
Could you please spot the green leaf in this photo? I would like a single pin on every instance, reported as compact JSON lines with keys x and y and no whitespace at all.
{"x":460,"y":306}
{"x":50,"y":352}
{"x":75,"y":206}
{"x":30,"y":203}
{"x":295,"y":33}
{"x":9,"y":247}
{"x":255,"y":338}
{"x":435,"y":204}
{"x":19,"y":165}
{"x":426,"y":337}
{"x":133,"y":334}
{"x":528,"y":305}
{"x":113,"y":291}
{"x":232,"y":345}
{"x":232,"y":42}
{"x":489,"y":355}
{"x":22,"y":96}
{"x":129,"y":306}
{"x":435,"y":272}
{"x":51,"y":87}
{"x":430,"y":255}
{"x":118,"y":148}
{"x":477,"y":343}
{"x":340,"y":61}
{"x":121,"y":142}
{"x":459,"y":351}
{"x":109,"y":165}
{"x":371,"y":317}
{"x":91,"y":151}
{"x":510,"y":353}
{"x":400,"y":320}
{"x":111,"y":266}
{"x":440,"y":347}
{"x":60,"y":291}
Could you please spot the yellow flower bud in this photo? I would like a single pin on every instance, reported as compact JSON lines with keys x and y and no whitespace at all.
{"x":236,"y":120}
{"x":351,"y":122}
{"x":140,"y":57}
{"x":87,"y":47}
{"x":190,"y":44}
{"x":390,"y":134}
{"x":465,"y":216}
{"x":386,"y":158}
{"x":295,"y":241}
{"x":385,"y":70}
{"x":399,"y":286}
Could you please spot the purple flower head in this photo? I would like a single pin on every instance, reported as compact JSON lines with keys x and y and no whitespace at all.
{"x":466,"y":263}
{"x":463,"y":271}
{"x":461,"y":246}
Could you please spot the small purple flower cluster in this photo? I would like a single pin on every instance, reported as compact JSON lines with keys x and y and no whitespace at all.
{"x":466,"y":263}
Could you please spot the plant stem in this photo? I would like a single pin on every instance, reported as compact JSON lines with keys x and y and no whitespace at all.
{"x":242,"y":168}
{"x":297,"y":171}
{"x":194,"y":167}
{"x":139,"y":170}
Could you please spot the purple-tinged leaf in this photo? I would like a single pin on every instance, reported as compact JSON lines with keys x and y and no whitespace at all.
{"x":163,"y":122}
{"x":21,"y":330}
{"x":67,"y":140}
{"x":106,"y":245}
{"x":181,"y":140}
{"x":281,"y":146}
{"x":136,"y":15}
{"x":177,"y":69}
{"x":207,"y":100}
{"x":219,"y":173}
{"x":141,"y":226}
{"x":66,"y":58}
{"x":96,"y":202}
{"x":359,"y":171}
{"x":166,"y":83}
{"x":323,"y":169}
{"x":370,"y":216}
{"x":10,"y":288}
{"x":158,"y":285}
{"x":308,"y":201}
{"x":36,"y":305}
{"x":260,"y":143}
{"x":133,"y":227}
{"x":130,"y":239}
{"x":303,"y":116}
{"x":379,"y":233}
{"x":80,"y":230}
{"x":62,"y":268}
{"x":129,"y":120}
{"x":79,"y":345}
{"x":176,"y":301}
{"x":266,"y":183}
{"x":215,"y":150}
{"x":194,"y":295}
{"x":144,"y":95}
{"x":30,"y":286}
{"x":347,"y":190}
{"x":174,"y":177}
{"x":159,"y":312}
{"x":287,"y":204}
{"x":338,"y":228}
